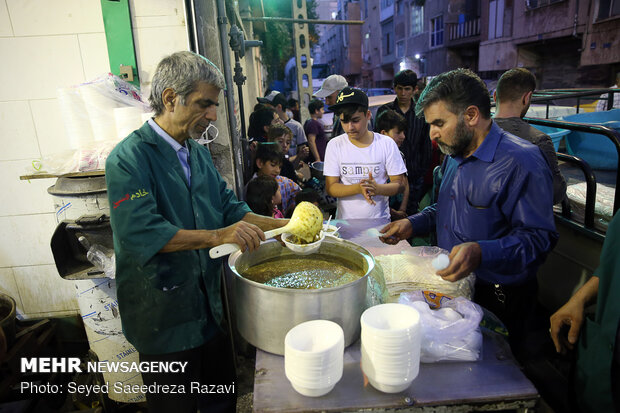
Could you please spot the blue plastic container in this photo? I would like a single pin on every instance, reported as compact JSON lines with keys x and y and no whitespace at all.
{"x":597,"y":150}
{"x":555,"y":134}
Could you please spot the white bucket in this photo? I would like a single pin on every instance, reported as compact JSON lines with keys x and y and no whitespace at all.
{"x":74,"y":197}
{"x":99,"y":309}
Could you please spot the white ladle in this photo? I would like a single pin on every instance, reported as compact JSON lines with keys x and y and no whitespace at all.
{"x":306,"y":223}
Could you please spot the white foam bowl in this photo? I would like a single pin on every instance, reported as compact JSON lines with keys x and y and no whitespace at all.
{"x":314,"y":338}
{"x":309,"y":392}
{"x":390,"y":320}
{"x":389,"y":388}
{"x":390,"y":350}
{"x":302,"y":249}
{"x":314,"y":357}
{"x":331,"y":230}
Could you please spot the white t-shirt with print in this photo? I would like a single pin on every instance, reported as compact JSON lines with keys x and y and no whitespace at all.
{"x":352,"y":164}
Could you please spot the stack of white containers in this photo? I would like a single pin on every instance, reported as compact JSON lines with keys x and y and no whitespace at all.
{"x":313,"y":356}
{"x":390,"y":346}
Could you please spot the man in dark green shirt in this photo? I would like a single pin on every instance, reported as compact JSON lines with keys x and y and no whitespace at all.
{"x":169,"y":205}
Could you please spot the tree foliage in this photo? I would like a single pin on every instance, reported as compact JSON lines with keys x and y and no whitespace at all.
{"x":278,"y":45}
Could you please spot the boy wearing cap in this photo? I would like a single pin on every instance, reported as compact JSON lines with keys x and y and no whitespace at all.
{"x":329,"y":90}
{"x":359,"y":162}
{"x":278,"y":101}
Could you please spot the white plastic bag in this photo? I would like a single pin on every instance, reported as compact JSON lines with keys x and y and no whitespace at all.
{"x":449,"y":332}
{"x":412,"y":270}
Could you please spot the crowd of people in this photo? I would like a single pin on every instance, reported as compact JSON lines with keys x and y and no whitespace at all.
{"x":498,"y":180}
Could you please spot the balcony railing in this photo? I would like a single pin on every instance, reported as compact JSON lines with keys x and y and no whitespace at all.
{"x":386,"y":13}
{"x":458,"y":31}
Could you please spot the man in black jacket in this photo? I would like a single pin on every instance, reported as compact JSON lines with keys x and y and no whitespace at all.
{"x":417,"y":144}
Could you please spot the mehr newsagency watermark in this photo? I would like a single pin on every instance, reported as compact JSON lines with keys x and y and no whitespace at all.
{"x":74,"y":365}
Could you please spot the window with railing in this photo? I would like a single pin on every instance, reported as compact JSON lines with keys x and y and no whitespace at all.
{"x":436,"y":31}
{"x":417,"y":19}
{"x":608,"y":8}
{"x":496,"y":19}
{"x":387,"y":38}
{"x":532,"y":4}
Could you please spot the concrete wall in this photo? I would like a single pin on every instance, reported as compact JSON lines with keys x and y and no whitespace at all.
{"x":45,"y":46}
{"x":352,"y":65}
{"x":602,"y":44}
{"x":529,"y":26}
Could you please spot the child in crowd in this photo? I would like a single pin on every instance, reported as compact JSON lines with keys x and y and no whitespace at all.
{"x":359,"y":162}
{"x":263,"y":196}
{"x":282,"y":135}
{"x":308,"y":195}
{"x":393,"y":124}
{"x":269,"y":158}
{"x":315,"y":131}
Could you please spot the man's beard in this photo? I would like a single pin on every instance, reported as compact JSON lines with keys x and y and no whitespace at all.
{"x":462,"y":139}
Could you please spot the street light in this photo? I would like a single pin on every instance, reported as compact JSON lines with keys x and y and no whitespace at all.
{"x":421,"y":63}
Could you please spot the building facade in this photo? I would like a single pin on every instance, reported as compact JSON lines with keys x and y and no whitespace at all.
{"x":491,"y":36}
{"x":566,"y":43}
{"x":340,"y":45}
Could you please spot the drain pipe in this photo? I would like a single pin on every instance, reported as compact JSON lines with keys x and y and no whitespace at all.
{"x":235,"y":141}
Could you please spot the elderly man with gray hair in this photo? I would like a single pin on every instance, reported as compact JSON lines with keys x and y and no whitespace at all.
{"x":169,"y":205}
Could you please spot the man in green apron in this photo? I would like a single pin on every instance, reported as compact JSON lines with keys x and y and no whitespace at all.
{"x":169,"y":205}
{"x":597,"y":374}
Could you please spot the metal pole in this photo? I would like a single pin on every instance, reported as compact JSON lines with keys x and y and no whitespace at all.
{"x":235,"y":141}
{"x":302,"y":50}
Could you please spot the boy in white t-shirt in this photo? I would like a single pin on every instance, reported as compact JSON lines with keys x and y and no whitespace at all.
{"x":359,"y":162}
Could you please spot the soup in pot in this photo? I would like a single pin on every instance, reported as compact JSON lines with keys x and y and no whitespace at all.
{"x":304,"y":272}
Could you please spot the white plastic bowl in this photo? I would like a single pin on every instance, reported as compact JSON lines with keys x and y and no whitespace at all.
{"x":309,"y":392}
{"x":302,"y":249}
{"x":314,"y":337}
{"x":314,"y":357}
{"x":390,"y":320}
{"x":390,"y":350}
{"x":389,"y":388}
{"x":331,"y":230}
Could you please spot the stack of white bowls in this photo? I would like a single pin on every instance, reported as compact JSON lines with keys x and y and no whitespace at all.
{"x":313,"y":356}
{"x":390,"y":346}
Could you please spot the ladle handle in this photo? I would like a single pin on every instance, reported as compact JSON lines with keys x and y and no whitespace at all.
{"x":223,"y":250}
{"x":275,"y":232}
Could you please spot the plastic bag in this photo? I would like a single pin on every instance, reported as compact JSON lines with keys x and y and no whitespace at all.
{"x":412,"y":270}
{"x":90,"y":157}
{"x":106,"y":108}
{"x":97,"y":115}
{"x":450,"y":326}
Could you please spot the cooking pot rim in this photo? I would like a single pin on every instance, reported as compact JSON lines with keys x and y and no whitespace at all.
{"x":367,"y":256}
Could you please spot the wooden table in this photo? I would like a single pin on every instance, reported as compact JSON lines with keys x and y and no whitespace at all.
{"x":493,"y":383}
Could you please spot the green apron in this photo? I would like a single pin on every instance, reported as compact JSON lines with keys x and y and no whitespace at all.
{"x":168,"y":302}
{"x":598,"y":336}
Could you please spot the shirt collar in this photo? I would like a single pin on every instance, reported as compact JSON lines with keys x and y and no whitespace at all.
{"x":175,"y":145}
{"x":486,"y":151}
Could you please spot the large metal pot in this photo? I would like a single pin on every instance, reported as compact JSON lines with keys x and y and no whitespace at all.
{"x":316,"y":168}
{"x":264,"y":314}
